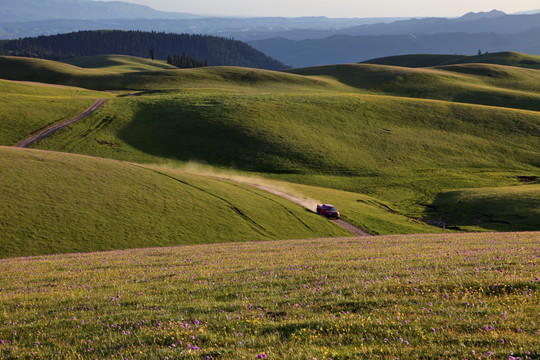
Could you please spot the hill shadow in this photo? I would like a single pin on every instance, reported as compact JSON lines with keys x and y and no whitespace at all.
{"x":204,"y":132}
{"x":494,"y":212}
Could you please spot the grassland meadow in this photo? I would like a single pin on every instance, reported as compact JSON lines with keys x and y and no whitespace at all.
{"x":444,"y":296}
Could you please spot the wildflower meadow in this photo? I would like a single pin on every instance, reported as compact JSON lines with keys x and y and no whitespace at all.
{"x":446,"y":296}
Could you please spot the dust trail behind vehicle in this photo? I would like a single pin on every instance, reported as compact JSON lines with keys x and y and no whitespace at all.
{"x":274,"y":188}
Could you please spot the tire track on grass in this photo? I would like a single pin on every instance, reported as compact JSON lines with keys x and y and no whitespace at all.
{"x":29,"y":141}
{"x":281,"y":205}
{"x":257,"y":227}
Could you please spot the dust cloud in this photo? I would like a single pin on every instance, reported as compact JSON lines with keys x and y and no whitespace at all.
{"x":274,"y":187}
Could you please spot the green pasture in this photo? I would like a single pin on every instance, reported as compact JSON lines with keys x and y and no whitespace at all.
{"x":447,"y":296}
{"x":495,"y":209}
{"x":399,"y":136}
{"x":375,"y":216}
{"x":429,"y":60}
{"x":119,"y":63}
{"x":494,"y":85}
{"x":402,"y":151}
{"x":57,"y":203}
{"x":29,"y":107}
{"x":110,"y":76}
{"x":388,"y":146}
{"x":484,"y":84}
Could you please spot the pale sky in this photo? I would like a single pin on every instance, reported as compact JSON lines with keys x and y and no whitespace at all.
{"x":339,"y":8}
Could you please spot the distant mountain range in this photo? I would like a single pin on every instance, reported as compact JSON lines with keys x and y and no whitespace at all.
{"x":340,"y":49}
{"x":472,"y":23}
{"x":298,"y":42}
{"x":16,"y":11}
{"x":238,"y":28}
{"x":22,"y":18}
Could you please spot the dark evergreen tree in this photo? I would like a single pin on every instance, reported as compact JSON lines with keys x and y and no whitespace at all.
{"x":185,"y":61}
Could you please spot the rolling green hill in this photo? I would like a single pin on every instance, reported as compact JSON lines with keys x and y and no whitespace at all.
{"x":107,"y":75}
{"x":119,"y":63}
{"x":29,"y":107}
{"x":427,"y":60}
{"x":58,"y":203}
{"x":400,"y":136}
{"x":492,"y":208}
{"x":484,"y":84}
{"x":495,"y":85}
{"x":399,"y":150}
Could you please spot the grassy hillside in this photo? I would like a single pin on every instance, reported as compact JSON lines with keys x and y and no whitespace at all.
{"x":427,"y":60}
{"x":368,"y":213}
{"x":396,"y":134}
{"x":119,"y":63}
{"x":373,"y":215}
{"x":412,"y":297}
{"x":28,"y":108}
{"x":501,"y":208}
{"x":493,"y":85}
{"x":109,"y":76}
{"x":395,"y":149}
{"x":57,"y":203}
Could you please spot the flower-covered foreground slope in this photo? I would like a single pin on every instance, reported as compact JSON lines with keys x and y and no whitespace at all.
{"x":417,"y":296}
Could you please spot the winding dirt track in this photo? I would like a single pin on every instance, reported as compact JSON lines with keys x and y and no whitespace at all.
{"x":42,"y":134}
{"x":344,"y":224}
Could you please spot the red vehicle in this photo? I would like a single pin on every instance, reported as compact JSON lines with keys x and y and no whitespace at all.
{"x":328,"y":210}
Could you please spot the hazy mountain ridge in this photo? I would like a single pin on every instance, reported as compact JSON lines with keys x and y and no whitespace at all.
{"x":238,"y":28}
{"x":25,"y":18}
{"x":479,"y":15}
{"x":474,"y":24}
{"x":15,"y":11}
{"x":303,"y":41}
{"x":350,"y":49}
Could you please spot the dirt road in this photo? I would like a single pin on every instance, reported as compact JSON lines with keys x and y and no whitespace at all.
{"x":42,"y":134}
{"x":307,"y":204}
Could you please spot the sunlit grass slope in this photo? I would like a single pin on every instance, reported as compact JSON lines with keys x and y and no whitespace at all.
{"x":501,"y":208}
{"x":119,"y":63}
{"x":111,"y":77}
{"x":486,"y":84}
{"x":57,"y":203}
{"x":397,"y":134}
{"x":375,"y":216}
{"x":26,"y":108}
{"x":451,"y":296}
{"x":388,"y":147}
{"x":428,"y":60}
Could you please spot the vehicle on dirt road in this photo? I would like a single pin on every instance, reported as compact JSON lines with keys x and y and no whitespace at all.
{"x":328,"y":210}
